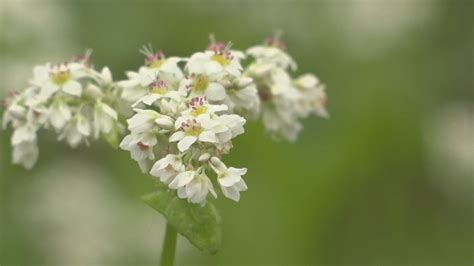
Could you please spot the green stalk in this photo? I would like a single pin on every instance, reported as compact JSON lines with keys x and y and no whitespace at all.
{"x":169,"y":246}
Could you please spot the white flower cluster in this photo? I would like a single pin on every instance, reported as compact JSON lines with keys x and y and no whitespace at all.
{"x":186,"y":111}
{"x":284,"y":100}
{"x":181,"y":119}
{"x":72,"y":98}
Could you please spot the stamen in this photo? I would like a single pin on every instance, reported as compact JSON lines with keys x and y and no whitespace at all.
{"x":275,"y":40}
{"x":142,"y":146}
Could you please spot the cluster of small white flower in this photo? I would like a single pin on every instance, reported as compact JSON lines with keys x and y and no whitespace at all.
{"x":284,"y":100}
{"x":75,"y":100}
{"x":186,"y":110}
{"x":181,"y":115}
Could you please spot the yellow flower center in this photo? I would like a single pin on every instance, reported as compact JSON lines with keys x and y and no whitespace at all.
{"x":199,"y":110}
{"x":61,"y":77}
{"x":200,"y":83}
{"x":156,"y":63}
{"x":158,"y":90}
{"x":193,"y":130}
{"x":221,"y":59}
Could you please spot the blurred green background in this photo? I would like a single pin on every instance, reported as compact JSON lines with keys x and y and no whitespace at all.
{"x":387,"y":180}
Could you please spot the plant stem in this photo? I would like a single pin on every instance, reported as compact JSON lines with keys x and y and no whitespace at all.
{"x":169,"y":246}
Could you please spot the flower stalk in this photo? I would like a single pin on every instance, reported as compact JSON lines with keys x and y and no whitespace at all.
{"x":169,"y":246}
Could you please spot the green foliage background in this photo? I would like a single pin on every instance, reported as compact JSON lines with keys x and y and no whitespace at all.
{"x":354,"y":189}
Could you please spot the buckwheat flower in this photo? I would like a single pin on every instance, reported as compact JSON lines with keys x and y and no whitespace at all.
{"x":229,"y":179}
{"x":72,"y":98}
{"x":156,"y":62}
{"x":197,"y":189}
{"x":59,"y":114}
{"x":272,"y":53}
{"x":25,"y":154}
{"x":284,"y":101}
{"x":190,"y":131}
{"x":140,"y":147}
{"x":76,"y":131}
{"x":51,"y":78}
{"x":182,"y":179}
{"x":234,"y":124}
{"x":280,"y":102}
{"x":242,"y":97}
{"x":14,"y":111}
{"x":106,"y":76}
{"x":156,"y":65}
{"x":167,"y":168}
{"x":313,"y":95}
{"x":218,"y":59}
{"x":193,"y":185}
{"x":24,"y":133}
{"x":105,"y":119}
{"x":148,"y":120}
{"x":37,"y":115}
{"x":157,"y":90}
{"x":199,"y":106}
{"x":204,"y":85}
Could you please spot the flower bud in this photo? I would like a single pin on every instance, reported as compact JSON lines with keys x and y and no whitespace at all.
{"x":217,"y":164}
{"x":165,"y":121}
{"x":204,"y":157}
{"x":93,"y":91}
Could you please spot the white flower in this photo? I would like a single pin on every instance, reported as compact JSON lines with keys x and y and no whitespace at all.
{"x":313,"y":95}
{"x":105,"y":118}
{"x":242,"y":97}
{"x":229,"y":179}
{"x":167,"y":168}
{"x":199,"y":106}
{"x":59,"y":114}
{"x":218,"y":61}
{"x":193,"y":185}
{"x":283,"y":103}
{"x":147,"y":120}
{"x":204,"y":85}
{"x":198,"y":188}
{"x":106,"y":76}
{"x":37,"y":115}
{"x":76,"y":131}
{"x":140,"y":147}
{"x":156,"y":65}
{"x":51,"y":78}
{"x":55,"y":99}
{"x":192,"y":130}
{"x":131,"y":88}
{"x":234,"y":123}
{"x":158,"y":90}
{"x":270,"y":56}
{"x":24,"y":133}
{"x":26,"y":154}
{"x":14,"y":111}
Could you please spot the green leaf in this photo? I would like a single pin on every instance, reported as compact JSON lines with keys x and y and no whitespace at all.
{"x":200,"y":225}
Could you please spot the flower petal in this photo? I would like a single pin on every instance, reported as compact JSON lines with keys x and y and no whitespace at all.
{"x":186,"y":142}
{"x":229,"y":180}
{"x":177,"y":136}
{"x":208,"y":136}
{"x":215,"y":92}
{"x":73,"y":87}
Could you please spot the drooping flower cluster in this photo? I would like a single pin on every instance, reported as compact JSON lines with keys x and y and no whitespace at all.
{"x":284,"y":100}
{"x":72,"y":98}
